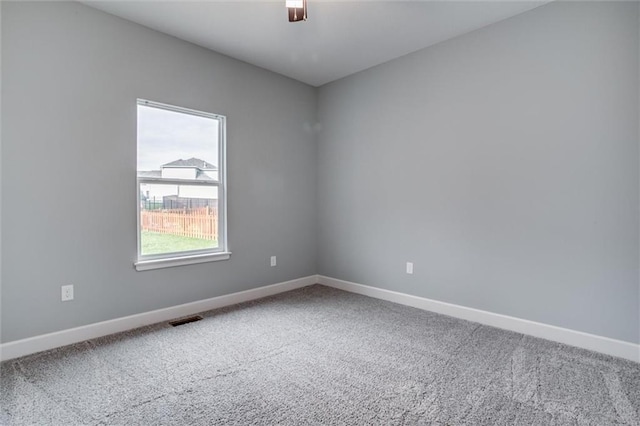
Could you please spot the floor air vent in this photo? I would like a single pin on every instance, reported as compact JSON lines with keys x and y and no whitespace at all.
{"x":187,"y":320}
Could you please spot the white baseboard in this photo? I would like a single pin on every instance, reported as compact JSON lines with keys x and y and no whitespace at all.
{"x":579,"y":339}
{"x":35,"y":344}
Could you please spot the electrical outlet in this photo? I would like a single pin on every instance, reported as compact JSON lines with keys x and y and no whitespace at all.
{"x":410,"y":268}
{"x":67,"y":293}
{"x":273,"y":261}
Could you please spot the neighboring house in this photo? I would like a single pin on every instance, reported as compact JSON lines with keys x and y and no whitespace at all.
{"x":170,"y":195}
{"x":193,"y":168}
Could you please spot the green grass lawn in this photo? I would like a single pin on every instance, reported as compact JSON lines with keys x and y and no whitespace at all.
{"x":154,"y":243}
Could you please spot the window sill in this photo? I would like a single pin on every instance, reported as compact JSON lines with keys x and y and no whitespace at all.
{"x":145,"y":265}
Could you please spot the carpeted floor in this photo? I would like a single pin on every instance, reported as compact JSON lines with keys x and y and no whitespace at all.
{"x":320,"y":356}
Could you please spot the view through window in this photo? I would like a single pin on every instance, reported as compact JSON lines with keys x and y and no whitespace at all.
{"x":180,"y":181}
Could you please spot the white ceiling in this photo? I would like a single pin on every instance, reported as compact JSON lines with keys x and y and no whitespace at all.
{"x":339,"y":38}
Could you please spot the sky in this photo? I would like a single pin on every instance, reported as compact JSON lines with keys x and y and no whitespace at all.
{"x":165,"y":136}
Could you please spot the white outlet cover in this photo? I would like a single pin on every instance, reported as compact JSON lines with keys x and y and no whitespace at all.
{"x":409,"y":267}
{"x":273,"y":261}
{"x":67,"y":293}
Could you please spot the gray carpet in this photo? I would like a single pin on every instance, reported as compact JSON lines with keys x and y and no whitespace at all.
{"x":320,"y":356}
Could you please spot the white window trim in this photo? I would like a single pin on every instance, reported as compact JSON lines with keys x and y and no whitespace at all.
{"x":168,"y":260}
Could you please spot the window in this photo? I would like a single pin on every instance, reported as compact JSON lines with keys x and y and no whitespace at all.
{"x":181,"y":186}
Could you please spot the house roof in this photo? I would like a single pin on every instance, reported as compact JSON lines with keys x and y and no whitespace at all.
{"x":150,"y":173}
{"x":191,"y":162}
{"x":203,"y":176}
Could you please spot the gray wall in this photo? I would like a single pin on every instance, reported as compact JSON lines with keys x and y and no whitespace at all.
{"x":70,"y":78}
{"x":503,"y":163}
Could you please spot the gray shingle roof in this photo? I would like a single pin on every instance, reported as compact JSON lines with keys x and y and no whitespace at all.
{"x":191,"y":162}
{"x":150,"y":173}
{"x":203,"y":176}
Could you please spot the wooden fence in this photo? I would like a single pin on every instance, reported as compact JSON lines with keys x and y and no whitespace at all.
{"x":194,"y":223}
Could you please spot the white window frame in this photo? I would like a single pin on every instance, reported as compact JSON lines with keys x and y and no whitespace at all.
{"x":167,"y":260}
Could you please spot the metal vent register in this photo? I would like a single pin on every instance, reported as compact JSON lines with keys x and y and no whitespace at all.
{"x":186,"y":320}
